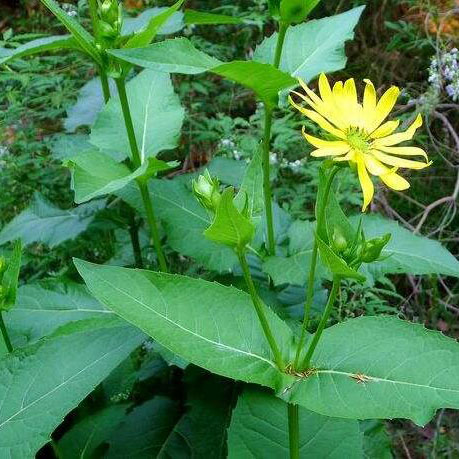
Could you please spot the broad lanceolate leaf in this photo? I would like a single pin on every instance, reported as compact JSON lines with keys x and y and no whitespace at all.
{"x":96,"y":174}
{"x":41,"y":45}
{"x":90,"y":102}
{"x":313,"y":47}
{"x":156,"y":112}
{"x":180,"y":56}
{"x":259,"y":429}
{"x":81,"y":36}
{"x":173,"y":24}
{"x":407,"y":252}
{"x":202,"y":18}
{"x":42,"y":308}
{"x":185,"y":221}
{"x":43,"y":222}
{"x":47,"y":380}
{"x":380,"y":367}
{"x":210,"y":325}
{"x":294,"y":11}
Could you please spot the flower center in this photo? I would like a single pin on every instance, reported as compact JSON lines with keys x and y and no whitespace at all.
{"x":358,"y":139}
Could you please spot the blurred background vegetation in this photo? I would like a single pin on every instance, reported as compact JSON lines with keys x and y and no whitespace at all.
{"x":409,"y":43}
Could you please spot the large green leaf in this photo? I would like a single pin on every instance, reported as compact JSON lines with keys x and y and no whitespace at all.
{"x":185,"y":221}
{"x":210,"y":325}
{"x":408,"y":372}
{"x":41,"y":45}
{"x":40,"y":384}
{"x":408,"y":253}
{"x":156,"y":113}
{"x":83,"y":440}
{"x":79,"y":33}
{"x":313,"y":47}
{"x":43,"y":307}
{"x":180,"y":56}
{"x":173,"y":24}
{"x":203,"y":18}
{"x":43,"y":222}
{"x":259,"y":429}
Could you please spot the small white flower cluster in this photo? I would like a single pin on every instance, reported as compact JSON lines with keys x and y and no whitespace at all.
{"x":70,"y":9}
{"x":444,"y":73}
{"x":295,"y":166}
{"x":230,"y":147}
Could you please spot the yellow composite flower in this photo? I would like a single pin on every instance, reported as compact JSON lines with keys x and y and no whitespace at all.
{"x":362,"y":136}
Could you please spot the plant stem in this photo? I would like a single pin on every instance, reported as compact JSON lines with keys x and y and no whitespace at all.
{"x":104,"y":84}
{"x":323,"y":321}
{"x":92,"y":4}
{"x":267,"y":193}
{"x":313,"y":265}
{"x":134,"y":235}
{"x":293,"y":431}
{"x":6,"y":338}
{"x":143,"y":187}
{"x":261,"y":314}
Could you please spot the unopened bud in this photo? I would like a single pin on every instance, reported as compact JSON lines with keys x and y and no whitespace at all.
{"x":107,"y":31}
{"x":339,"y":242}
{"x":372,"y":249}
{"x":206,"y":190}
{"x":109,"y":11}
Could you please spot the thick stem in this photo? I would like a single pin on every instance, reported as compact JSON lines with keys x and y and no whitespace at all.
{"x":313,"y":266}
{"x":6,"y":338}
{"x":146,"y":198}
{"x":323,"y":321}
{"x":271,"y":244}
{"x":261,"y":314}
{"x":293,"y":431}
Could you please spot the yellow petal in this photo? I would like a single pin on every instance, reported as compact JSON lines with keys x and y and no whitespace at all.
{"x":311,"y":94}
{"x":384,"y":107}
{"x":366,"y":184}
{"x":320,"y":120}
{"x":369,"y":99}
{"x":321,"y":152}
{"x":400,"y":136}
{"x":374,"y":166}
{"x":350,"y":92}
{"x":395,"y":181}
{"x":399,"y":162}
{"x":349,"y":157}
{"x":405,"y":151}
{"x":337,"y":89}
{"x":385,"y":129}
{"x":324,"y":88}
{"x":330,"y":144}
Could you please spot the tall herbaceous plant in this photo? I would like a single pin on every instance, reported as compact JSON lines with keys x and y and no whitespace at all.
{"x":305,"y":385}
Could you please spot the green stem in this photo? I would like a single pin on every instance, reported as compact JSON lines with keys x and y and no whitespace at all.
{"x":293,"y":431}
{"x":6,"y":338}
{"x":323,"y":321}
{"x":104,"y":84}
{"x":261,"y":314}
{"x":267,"y":193}
{"x":143,"y":187}
{"x":134,"y":235}
{"x":313,"y":265}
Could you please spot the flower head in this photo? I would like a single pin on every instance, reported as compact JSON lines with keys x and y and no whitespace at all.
{"x":361,"y":134}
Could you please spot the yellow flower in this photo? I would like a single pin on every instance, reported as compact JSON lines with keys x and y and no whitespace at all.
{"x":362,"y":136}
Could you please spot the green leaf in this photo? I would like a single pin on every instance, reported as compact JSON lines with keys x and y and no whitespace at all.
{"x":313,"y":47}
{"x":173,"y":24}
{"x":294,"y":11}
{"x":88,"y":105}
{"x":180,"y":56}
{"x":184,"y":221}
{"x":95,"y":174}
{"x":47,"y":380}
{"x":10,"y":278}
{"x":376,"y":441}
{"x":202,"y":18}
{"x":83,"y":439}
{"x":203,"y":322}
{"x":44,"y":307}
{"x":408,"y":253}
{"x":144,"y":430}
{"x":148,"y":34}
{"x":251,"y":188}
{"x":408,"y":372}
{"x":259,"y":429}
{"x":156,"y":113}
{"x":43,"y":222}
{"x":81,"y":36}
{"x":230,"y":227}
{"x":41,"y":45}
{"x":64,"y":146}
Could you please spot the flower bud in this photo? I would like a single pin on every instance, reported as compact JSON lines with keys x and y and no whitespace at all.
{"x":206,"y":190}
{"x":339,"y":243}
{"x":109,"y":11}
{"x":106,"y":31}
{"x":372,"y":249}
